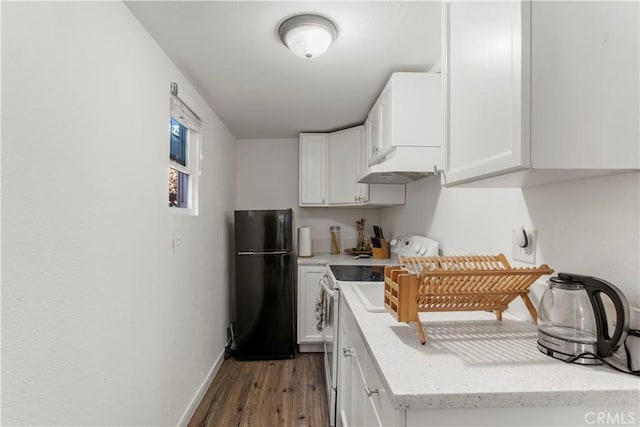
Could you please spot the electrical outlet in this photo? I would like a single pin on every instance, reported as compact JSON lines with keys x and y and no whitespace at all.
{"x":523,"y":245}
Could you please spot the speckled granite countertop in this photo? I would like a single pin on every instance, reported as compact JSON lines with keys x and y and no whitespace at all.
{"x":343,"y":259}
{"x":472,"y":360}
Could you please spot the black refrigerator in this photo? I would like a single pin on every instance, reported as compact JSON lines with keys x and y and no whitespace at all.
{"x":265,"y":285}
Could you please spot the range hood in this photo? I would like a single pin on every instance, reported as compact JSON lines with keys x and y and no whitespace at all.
{"x":403,"y":164}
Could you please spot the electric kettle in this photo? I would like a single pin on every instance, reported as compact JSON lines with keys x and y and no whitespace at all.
{"x":572,"y":321}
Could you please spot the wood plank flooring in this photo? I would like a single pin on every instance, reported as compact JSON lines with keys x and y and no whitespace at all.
{"x":288,"y":392}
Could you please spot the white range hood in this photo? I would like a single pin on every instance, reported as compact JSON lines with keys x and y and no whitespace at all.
{"x":401,"y":165}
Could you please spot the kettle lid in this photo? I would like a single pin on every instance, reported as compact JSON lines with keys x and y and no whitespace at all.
{"x":566,"y":281}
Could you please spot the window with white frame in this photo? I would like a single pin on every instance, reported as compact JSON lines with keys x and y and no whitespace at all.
{"x":184,"y":158}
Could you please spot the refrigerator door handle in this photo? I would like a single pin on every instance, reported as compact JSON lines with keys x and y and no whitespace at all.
{"x":264,"y":253}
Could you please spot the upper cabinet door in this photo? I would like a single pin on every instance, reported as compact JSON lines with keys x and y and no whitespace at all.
{"x":585,"y":116}
{"x":486,"y":69}
{"x":522,"y":107}
{"x":364,"y":158}
{"x":345,"y":166}
{"x":313,"y":169}
{"x":375,"y":130}
{"x":330,"y":166}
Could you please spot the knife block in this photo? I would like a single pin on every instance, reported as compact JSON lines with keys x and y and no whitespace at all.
{"x":382,"y":252}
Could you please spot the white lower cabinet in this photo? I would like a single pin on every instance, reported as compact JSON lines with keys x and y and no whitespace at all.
{"x":362,"y":399}
{"x":309,"y":337}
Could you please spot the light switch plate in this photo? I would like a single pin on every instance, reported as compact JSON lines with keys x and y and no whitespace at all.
{"x":527,"y":254}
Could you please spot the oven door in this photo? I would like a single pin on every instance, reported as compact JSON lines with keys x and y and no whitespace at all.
{"x":330,"y":343}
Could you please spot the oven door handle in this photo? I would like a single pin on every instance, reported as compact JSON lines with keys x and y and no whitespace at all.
{"x":323,"y":283}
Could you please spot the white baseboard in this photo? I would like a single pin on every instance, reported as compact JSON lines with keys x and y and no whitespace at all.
{"x":197,"y":398}
{"x":311,"y":348}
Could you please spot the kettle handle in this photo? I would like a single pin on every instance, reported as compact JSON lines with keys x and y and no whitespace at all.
{"x":606,"y":344}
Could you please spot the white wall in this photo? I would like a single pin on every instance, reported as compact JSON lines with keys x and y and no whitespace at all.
{"x":102,"y":322}
{"x":267,"y":178}
{"x":588,"y":226}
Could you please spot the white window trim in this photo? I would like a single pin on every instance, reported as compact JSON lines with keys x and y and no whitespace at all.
{"x":183,"y":114}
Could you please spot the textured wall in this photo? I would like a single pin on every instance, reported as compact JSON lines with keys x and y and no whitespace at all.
{"x":103,"y":321}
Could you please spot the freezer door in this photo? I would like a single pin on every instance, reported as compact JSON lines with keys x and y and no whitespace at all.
{"x":263,"y":230}
{"x":265,"y":306}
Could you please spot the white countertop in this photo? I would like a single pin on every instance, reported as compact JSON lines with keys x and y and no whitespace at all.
{"x":343,"y":259}
{"x":472,"y":360}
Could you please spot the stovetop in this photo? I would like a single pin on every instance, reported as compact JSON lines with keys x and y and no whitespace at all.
{"x":358,"y":273}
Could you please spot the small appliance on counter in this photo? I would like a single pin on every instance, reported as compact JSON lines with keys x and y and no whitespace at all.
{"x":414,"y":245}
{"x":573,"y":324}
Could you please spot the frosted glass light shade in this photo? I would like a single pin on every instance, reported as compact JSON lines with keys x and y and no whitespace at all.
{"x":307,"y":36}
{"x":308,"y":41}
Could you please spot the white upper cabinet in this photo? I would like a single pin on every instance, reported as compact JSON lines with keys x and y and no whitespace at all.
{"x":487,"y":102}
{"x":374,"y":129}
{"x":406,"y":130}
{"x":345,"y":167}
{"x":406,"y":114}
{"x":330,"y":164}
{"x":586,"y":84}
{"x":539,"y":92}
{"x":313,"y":169}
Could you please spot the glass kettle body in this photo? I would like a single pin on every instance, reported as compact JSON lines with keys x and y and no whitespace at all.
{"x":573,"y":323}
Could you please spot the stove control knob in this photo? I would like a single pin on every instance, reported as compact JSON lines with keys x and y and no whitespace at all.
{"x":394,"y":242}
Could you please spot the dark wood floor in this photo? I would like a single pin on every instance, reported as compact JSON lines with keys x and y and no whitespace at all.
{"x":287,"y":392}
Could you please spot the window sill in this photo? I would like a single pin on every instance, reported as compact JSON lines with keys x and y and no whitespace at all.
{"x":182,"y":212}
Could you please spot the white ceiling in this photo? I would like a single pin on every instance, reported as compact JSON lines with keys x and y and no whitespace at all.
{"x":230,"y":52}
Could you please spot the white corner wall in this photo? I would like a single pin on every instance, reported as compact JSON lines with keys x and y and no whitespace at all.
{"x":267,"y":178}
{"x":103,"y":322}
{"x":589,"y":226}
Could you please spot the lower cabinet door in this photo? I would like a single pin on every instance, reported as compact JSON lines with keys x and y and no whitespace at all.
{"x":386,"y":413}
{"x":364,"y":411}
{"x":308,"y":290}
{"x":357,"y":395}
{"x":362,"y":400}
{"x":345,"y":410}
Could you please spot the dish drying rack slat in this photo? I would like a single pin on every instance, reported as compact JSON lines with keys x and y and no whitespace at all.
{"x":456,"y":283}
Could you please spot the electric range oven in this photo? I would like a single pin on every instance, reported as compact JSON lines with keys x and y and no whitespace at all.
{"x":330,"y":330}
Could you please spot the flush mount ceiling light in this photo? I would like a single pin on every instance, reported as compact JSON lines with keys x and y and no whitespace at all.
{"x":307,"y":35}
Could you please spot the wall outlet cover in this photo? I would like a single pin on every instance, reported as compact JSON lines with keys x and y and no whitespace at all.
{"x":528,"y":253}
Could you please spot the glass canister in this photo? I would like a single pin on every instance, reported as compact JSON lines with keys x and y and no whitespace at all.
{"x":334,"y":230}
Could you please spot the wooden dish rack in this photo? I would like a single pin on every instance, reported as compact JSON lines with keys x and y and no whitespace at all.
{"x":456,"y":283}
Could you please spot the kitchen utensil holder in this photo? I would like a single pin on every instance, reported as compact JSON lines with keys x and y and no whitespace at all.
{"x":382,"y":252}
{"x":360,"y":243}
{"x":456,"y":283}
